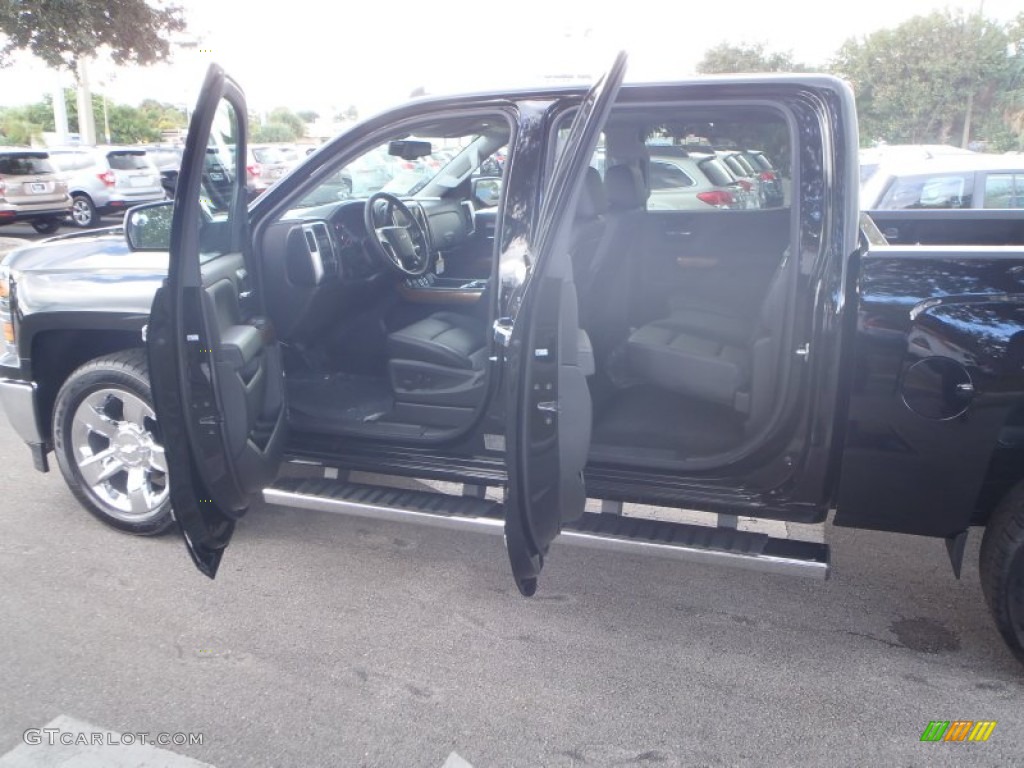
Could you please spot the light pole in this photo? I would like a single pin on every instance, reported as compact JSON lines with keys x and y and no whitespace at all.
{"x":106,"y":119}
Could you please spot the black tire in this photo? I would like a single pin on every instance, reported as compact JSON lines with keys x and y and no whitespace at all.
{"x":1002,"y":569}
{"x":83,"y":211}
{"x":46,"y":226}
{"x":92,"y":395}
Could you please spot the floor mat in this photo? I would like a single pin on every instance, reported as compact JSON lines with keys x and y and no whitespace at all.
{"x":649,"y":417}
{"x":316,"y":401}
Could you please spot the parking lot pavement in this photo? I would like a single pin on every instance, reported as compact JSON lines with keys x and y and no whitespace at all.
{"x":25,"y":231}
{"x":334,"y":641}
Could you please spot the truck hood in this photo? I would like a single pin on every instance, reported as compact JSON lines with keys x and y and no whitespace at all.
{"x":92,"y":272}
{"x":103,"y":250}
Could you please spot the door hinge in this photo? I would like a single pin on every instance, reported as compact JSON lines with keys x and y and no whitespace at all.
{"x":804,"y":351}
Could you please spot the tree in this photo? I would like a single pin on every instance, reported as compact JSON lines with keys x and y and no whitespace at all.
{"x":931,"y":79}
{"x":284,"y":116}
{"x":308,"y":115}
{"x":752,"y":57}
{"x":1011,"y":102}
{"x":61,"y":32}
{"x":273,"y":132}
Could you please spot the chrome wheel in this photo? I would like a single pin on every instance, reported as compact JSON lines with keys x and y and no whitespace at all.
{"x":117,"y":455}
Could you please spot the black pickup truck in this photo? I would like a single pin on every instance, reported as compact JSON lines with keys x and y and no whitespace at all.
{"x":541,"y":332}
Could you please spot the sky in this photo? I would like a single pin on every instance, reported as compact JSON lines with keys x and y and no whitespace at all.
{"x":325,"y":56}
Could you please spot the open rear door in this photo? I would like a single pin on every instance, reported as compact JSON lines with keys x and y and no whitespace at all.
{"x":215,"y":366}
{"x":548,"y":432}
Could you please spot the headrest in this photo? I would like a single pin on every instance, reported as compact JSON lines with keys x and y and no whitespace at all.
{"x":593,"y":201}
{"x":624,"y":187}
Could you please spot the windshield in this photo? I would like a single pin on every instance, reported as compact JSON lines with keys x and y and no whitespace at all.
{"x":377,"y":170}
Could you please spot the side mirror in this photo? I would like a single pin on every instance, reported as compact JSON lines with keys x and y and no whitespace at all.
{"x":148,"y":227}
{"x":486,"y":191}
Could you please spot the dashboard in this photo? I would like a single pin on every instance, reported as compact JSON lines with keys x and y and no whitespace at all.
{"x":319,"y":262}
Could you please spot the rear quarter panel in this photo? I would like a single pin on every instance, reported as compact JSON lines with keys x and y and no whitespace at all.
{"x":902,"y":471}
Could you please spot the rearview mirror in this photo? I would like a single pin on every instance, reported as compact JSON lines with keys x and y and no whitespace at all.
{"x":410,"y":150}
{"x":148,"y":227}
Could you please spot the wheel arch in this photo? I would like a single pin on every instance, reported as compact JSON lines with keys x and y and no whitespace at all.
{"x":57,"y":353}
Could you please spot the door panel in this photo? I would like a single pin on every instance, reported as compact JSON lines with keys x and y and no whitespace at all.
{"x":215,"y":364}
{"x":720,"y":260}
{"x":474,"y":259}
{"x":548,"y":433}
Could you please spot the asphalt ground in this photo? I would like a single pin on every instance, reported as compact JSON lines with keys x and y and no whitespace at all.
{"x":334,"y":641}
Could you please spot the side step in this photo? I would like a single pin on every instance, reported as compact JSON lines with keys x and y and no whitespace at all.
{"x":696,"y":543}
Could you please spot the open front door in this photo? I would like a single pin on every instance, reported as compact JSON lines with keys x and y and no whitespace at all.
{"x":215,"y":366}
{"x":548,"y":433}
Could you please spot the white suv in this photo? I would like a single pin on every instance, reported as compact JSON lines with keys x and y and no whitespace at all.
{"x":105,"y":180}
{"x":682,"y":180}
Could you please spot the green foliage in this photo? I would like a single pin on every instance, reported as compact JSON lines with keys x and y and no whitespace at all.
{"x":931,"y":79}
{"x":284,"y":116}
{"x":128,"y":125}
{"x":350,"y":114}
{"x":62,"y":31}
{"x":273,"y":132}
{"x":308,"y":115}
{"x":727,"y":58}
{"x":15,"y":129}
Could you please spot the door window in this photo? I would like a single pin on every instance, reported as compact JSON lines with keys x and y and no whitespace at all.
{"x":220,"y":185}
{"x":1004,"y":190}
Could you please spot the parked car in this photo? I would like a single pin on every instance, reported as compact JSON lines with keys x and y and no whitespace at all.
{"x":948,"y":182}
{"x":31,"y":190}
{"x":106,"y":180}
{"x":167,"y":159}
{"x":872,"y":157}
{"x":772,"y":187}
{"x":684,"y":180}
{"x":264,"y":165}
{"x":783,"y":364}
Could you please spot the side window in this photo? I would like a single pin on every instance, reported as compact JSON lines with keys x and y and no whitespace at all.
{"x":946,"y":191}
{"x":1004,"y":190}
{"x":666,"y":176}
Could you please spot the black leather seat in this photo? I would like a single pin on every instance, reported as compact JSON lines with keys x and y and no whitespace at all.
{"x":716,"y":357}
{"x":603,"y":285}
{"x":441,"y":359}
{"x":444,"y":338}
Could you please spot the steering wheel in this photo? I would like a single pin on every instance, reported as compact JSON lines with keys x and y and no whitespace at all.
{"x":403,"y":247}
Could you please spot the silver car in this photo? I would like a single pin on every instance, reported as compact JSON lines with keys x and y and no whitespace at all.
{"x":105,"y":180}
{"x":693,"y":181}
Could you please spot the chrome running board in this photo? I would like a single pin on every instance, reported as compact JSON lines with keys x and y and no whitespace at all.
{"x":617,"y":533}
